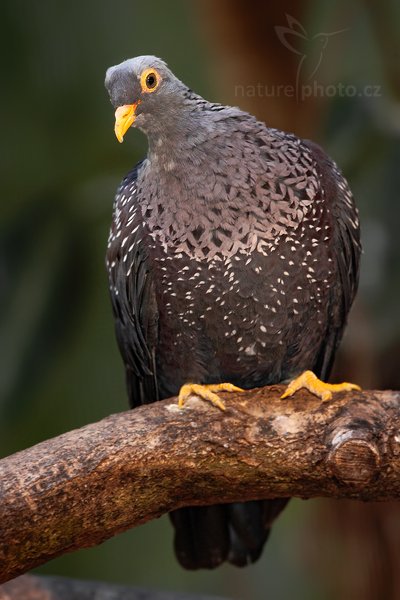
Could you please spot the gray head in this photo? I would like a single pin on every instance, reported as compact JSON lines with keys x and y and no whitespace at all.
{"x":145,"y":94}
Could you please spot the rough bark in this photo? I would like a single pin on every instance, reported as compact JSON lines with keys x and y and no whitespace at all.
{"x":85,"y":486}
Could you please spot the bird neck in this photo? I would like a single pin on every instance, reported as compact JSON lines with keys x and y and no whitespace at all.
{"x":178,"y":141}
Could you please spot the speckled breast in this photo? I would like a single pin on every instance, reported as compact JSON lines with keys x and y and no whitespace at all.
{"x":252,"y":318}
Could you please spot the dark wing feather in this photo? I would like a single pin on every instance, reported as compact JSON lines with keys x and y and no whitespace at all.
{"x":346,"y":255}
{"x":133,"y":297}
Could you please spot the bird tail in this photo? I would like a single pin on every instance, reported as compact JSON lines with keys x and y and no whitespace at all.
{"x":207,"y":536}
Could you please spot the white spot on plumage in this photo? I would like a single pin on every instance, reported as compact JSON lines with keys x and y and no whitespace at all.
{"x":250,"y":350}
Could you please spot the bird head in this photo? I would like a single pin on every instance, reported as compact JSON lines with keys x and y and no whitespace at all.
{"x":144,"y":93}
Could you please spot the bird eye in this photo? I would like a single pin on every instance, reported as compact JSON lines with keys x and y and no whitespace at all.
{"x":150,"y":80}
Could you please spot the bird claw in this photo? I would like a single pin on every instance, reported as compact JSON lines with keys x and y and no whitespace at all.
{"x":317,"y":387}
{"x":206,"y":392}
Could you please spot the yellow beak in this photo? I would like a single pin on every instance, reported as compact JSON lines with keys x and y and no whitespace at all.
{"x":124,"y":117}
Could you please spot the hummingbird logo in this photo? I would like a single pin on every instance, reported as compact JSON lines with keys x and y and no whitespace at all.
{"x":310,"y":48}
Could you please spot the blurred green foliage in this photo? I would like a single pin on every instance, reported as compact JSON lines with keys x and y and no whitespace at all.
{"x":61,"y":164}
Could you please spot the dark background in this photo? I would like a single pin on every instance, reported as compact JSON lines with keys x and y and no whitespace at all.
{"x":60,"y":166}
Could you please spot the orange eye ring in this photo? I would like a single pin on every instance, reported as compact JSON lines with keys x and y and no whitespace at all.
{"x":150,"y":79}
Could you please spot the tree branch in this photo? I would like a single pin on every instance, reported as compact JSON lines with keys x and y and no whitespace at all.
{"x":83,"y":487}
{"x":33,"y":587}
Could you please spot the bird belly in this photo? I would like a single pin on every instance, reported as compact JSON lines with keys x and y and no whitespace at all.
{"x":232,"y":322}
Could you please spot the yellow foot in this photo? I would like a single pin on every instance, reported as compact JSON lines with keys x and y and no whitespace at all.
{"x":206,"y":392}
{"x":314,"y":385}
